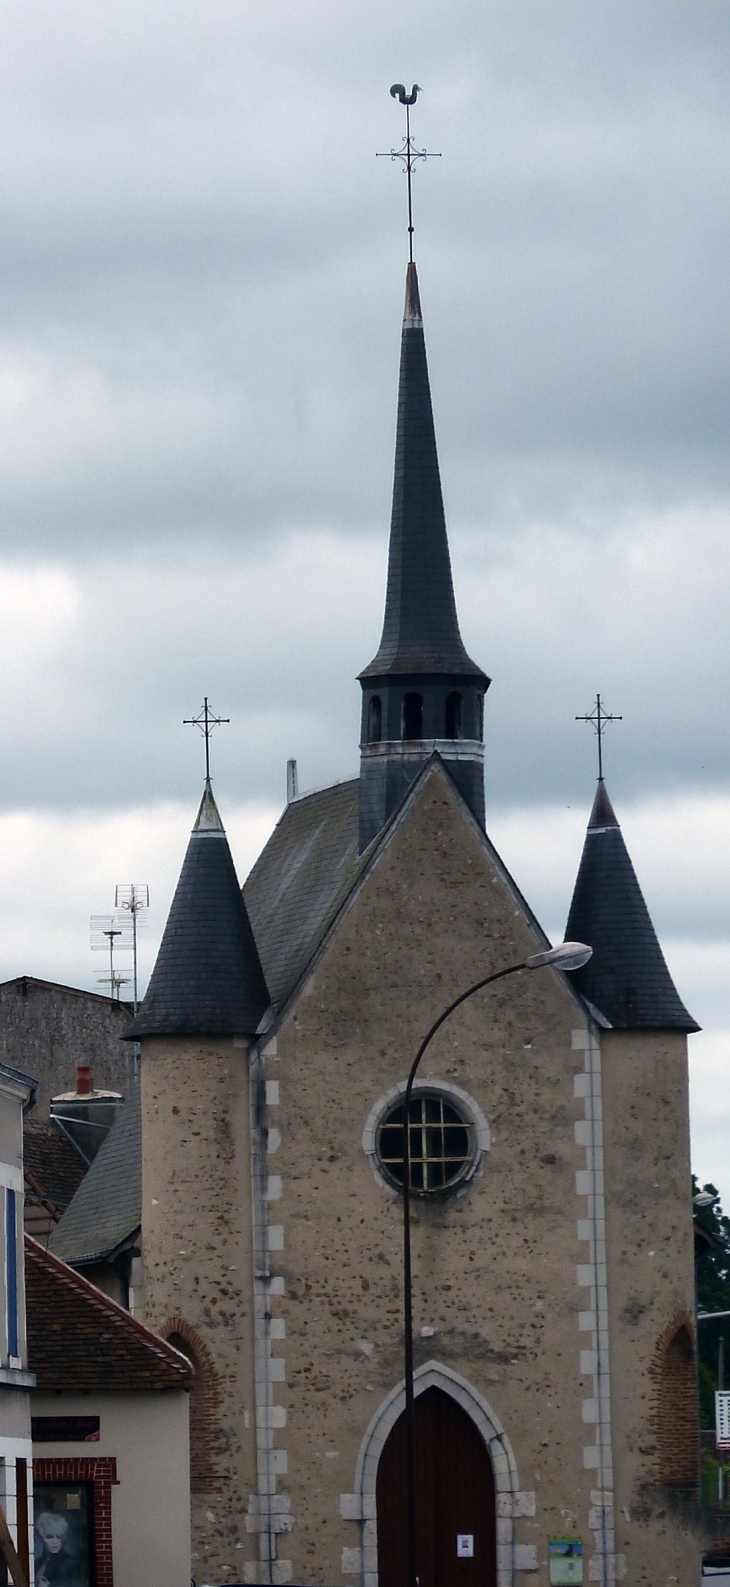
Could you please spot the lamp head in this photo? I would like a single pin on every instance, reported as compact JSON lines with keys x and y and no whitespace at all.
{"x":567,"y":956}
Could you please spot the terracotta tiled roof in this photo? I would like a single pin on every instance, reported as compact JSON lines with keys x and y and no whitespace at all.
{"x":79,"y":1339}
{"x":53,"y":1172}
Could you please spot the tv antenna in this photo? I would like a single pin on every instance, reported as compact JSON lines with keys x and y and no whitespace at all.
{"x":104,"y":930}
{"x":132,"y":901}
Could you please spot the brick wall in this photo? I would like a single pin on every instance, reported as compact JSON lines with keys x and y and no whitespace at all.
{"x":675,"y":1416}
{"x":205,"y":1400}
{"x":102,"y":1472}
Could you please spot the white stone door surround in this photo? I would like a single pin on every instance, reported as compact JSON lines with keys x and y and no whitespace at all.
{"x":360,"y":1506}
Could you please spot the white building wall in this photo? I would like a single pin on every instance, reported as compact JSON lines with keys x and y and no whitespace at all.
{"x":147,"y":1434}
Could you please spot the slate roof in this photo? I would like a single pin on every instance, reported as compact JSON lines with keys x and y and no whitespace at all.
{"x":80,"y":1340}
{"x":421,"y":628}
{"x":207,"y":978}
{"x":304,"y":874}
{"x":107,"y":1207}
{"x":53,"y":1171}
{"x":627,"y":978}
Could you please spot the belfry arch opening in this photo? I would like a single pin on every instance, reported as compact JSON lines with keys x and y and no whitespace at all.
{"x":455,"y":1492}
{"x":412,"y":716}
{"x":375,"y":719}
{"x":453,"y":724}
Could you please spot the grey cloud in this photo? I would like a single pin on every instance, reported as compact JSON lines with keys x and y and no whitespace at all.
{"x":204,"y":261}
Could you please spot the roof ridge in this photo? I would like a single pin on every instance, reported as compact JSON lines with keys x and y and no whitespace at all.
{"x":103,"y":1303}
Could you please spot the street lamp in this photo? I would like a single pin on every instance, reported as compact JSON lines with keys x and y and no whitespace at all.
{"x":567,"y":956}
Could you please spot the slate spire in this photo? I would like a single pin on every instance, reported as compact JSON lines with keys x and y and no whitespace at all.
{"x":207,"y":979}
{"x":420,"y":628}
{"x":627,"y":978}
{"x":421,"y":691}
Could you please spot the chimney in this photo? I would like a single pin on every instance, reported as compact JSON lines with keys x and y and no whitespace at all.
{"x":86,"y":1115}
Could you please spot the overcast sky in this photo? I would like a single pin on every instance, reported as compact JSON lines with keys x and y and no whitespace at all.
{"x":201,"y":278}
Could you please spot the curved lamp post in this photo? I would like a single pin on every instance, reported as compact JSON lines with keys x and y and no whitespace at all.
{"x":567,"y":956}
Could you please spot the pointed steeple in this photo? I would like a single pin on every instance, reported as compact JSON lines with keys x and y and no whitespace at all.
{"x":421,"y":692}
{"x":627,"y":978}
{"x":207,"y":978}
{"x":420,"y":628}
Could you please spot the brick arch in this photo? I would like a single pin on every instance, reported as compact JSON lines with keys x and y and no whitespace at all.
{"x":205,"y":1403}
{"x":675,"y":1416}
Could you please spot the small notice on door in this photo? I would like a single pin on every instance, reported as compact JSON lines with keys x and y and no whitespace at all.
{"x":566,"y":1561}
{"x":722,"y":1418}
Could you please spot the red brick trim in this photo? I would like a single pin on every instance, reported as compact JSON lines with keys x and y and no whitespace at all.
{"x":102,"y":1471}
{"x":674,"y":1418}
{"x":205,"y":1405}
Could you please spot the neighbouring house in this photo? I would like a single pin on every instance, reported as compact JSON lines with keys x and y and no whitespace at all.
{"x":59,"y":1150}
{"x":17,"y":1093}
{"x":49,"y":1029}
{"x":110,"y":1433}
{"x":99,"y":1230}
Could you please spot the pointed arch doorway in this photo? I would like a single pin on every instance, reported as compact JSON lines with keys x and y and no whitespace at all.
{"x":456,"y":1499}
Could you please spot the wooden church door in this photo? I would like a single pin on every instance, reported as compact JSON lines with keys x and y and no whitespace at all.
{"x":455,"y":1500}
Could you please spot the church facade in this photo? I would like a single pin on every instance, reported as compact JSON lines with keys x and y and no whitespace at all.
{"x":552,"y":1235}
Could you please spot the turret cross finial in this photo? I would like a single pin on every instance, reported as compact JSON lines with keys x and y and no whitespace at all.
{"x":409,"y":153}
{"x":206,"y":721}
{"x":599,"y":718}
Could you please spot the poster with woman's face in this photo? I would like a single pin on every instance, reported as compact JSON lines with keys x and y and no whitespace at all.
{"x":63,"y":1525}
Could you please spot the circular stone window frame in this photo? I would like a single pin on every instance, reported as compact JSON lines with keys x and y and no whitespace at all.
{"x":465,"y":1104}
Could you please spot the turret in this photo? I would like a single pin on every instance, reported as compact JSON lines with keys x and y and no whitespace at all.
{"x":207,"y":978}
{"x":422,"y":692}
{"x":627,"y":978}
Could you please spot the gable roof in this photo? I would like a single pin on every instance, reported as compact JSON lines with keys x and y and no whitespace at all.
{"x":420,"y":629}
{"x":207,"y":978}
{"x":107,"y":1208}
{"x":24,"y":981}
{"x":310,"y":869}
{"x":627,"y":977}
{"x":80,"y":1339}
{"x":303,"y":875}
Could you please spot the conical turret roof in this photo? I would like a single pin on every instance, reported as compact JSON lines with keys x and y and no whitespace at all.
{"x":207,"y":978}
{"x":627,"y":978}
{"x":421,"y":628}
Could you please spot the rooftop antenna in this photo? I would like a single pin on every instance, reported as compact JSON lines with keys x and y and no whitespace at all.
{"x":599,"y":718}
{"x":103,"y":931}
{"x":409,"y":153}
{"x":206,"y":721}
{"x":132,"y":900}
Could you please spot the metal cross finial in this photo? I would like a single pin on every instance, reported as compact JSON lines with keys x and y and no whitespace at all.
{"x":599,"y":718}
{"x":206,"y":721}
{"x":409,"y":153}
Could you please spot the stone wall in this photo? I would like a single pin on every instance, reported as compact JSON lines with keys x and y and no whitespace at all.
{"x":48,"y":1030}
{"x":198,"y":1273}
{"x":651,"y":1288}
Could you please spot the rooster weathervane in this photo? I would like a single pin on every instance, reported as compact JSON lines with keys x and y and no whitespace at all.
{"x":409,"y":153}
